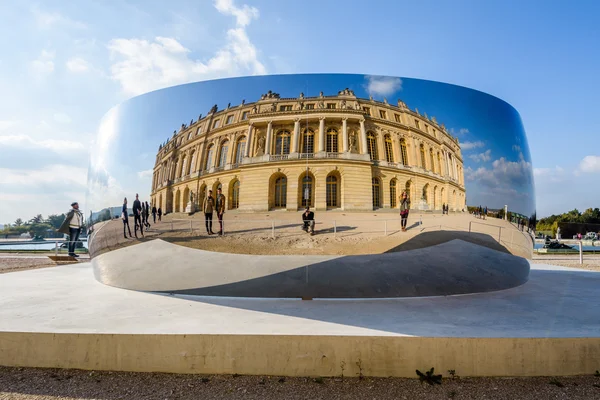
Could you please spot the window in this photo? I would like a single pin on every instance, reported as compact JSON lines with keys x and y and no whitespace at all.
{"x":422,"y":151}
{"x":403,"y":152}
{"x":426,"y":128}
{"x":282,"y":143}
{"x":244,"y":115}
{"x":439,"y":164}
{"x":193,"y":163}
{"x":183,"y":166}
{"x":280,"y":192}
{"x":367,"y":110}
{"x":223,"y":154}
{"x":240,"y":150}
{"x":209,"y":155}
{"x":407,"y":189}
{"x":382,"y":114}
{"x":307,"y":191}
{"x":216,"y":124}
{"x":417,"y":124}
{"x":393,"y":201}
{"x":331,"y":106}
{"x":235,"y":195}
{"x":432,"y":166}
{"x":229,"y":119}
{"x":308,"y":141}
{"x":332,"y":141}
{"x":376,"y":193}
{"x":397,"y":118}
{"x":424,"y":195}
{"x":434,"y":134}
{"x":285,"y":108}
{"x":372,"y":146}
{"x":190,"y":135}
{"x":310,"y":107}
{"x":389,"y":151}
{"x":331,"y":191}
{"x":199,"y":131}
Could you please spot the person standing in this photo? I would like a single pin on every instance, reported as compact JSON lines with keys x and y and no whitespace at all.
{"x":220,"y":207}
{"x":147,"y":209}
{"x":125,"y":218}
{"x":208,"y":207}
{"x":72,"y":227}
{"x":159,"y":212}
{"x":137,"y":215}
{"x":154,"y":213}
{"x":484,"y":212}
{"x":308,"y":221}
{"x":404,"y":208}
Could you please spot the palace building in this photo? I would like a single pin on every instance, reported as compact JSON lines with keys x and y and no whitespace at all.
{"x":327,"y":152}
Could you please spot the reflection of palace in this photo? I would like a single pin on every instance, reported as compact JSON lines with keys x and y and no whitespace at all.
{"x":327,"y":152}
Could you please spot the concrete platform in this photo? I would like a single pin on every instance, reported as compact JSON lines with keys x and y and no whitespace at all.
{"x":62,"y":317}
{"x":453,"y":267}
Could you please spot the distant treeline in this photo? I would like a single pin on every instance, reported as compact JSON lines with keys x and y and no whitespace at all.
{"x":36,"y":226}
{"x":589,"y":216}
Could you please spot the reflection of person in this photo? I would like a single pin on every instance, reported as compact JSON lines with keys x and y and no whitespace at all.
{"x":72,"y":227}
{"x":137,"y":216}
{"x":154,"y":214}
{"x":220,"y":206}
{"x":207,"y":208}
{"x":125,"y":218}
{"x":159,"y":212}
{"x":557,"y":233}
{"x":404,"y":208}
{"x":484,"y":212}
{"x":308,"y":221}
{"x":147,"y":209}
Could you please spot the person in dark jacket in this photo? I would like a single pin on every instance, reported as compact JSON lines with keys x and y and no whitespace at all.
{"x":137,"y":215}
{"x":208,"y":207}
{"x":154,"y":213}
{"x":308,"y":221}
{"x":125,"y":218}
{"x":159,"y":212}
{"x":147,"y":209}
{"x":72,"y":226}
{"x":404,"y":209}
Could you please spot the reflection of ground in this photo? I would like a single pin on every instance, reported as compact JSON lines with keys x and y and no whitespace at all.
{"x":336,"y":233}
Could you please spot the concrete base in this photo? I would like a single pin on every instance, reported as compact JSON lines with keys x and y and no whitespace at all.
{"x":62,"y":317}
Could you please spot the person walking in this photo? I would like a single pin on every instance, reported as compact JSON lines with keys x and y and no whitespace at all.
{"x":147,"y":209}
{"x":154,"y":214}
{"x":220,"y":207}
{"x":159,"y":212}
{"x":125,"y":218}
{"x":404,"y":208}
{"x":137,"y":215}
{"x":208,"y":207}
{"x":72,"y":226}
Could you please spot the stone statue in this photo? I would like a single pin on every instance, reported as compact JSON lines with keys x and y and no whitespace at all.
{"x":320,"y":104}
{"x":385,"y":100}
{"x":301,"y":95}
{"x":371,"y":98}
{"x":343,"y":105}
{"x":199,"y":117}
{"x":254,"y":109}
{"x":356,"y":106}
{"x":320,"y":94}
{"x":417,"y":111}
{"x":261,"y":146}
{"x":243,"y":101}
{"x":213,"y":109}
{"x":352,"y":142}
{"x":191,"y":197}
{"x":273,"y":107}
{"x":228,"y":106}
{"x":300,"y":105}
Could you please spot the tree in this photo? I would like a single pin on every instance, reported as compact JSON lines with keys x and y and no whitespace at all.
{"x":38,"y":219}
{"x":55,"y":220}
{"x":18,"y":222}
{"x":38,"y":229}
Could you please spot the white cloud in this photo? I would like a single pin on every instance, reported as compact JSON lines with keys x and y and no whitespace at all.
{"x":62,"y":118}
{"x":461,"y":131}
{"x":25,"y":141}
{"x":590,"y":164}
{"x":4,"y":125}
{"x":145,"y":174}
{"x":556,"y":174}
{"x":50,"y":175}
{"x":482,"y":157}
{"x":471,"y":145}
{"x":141,"y":66}
{"x":43,"y":65}
{"x":51,"y":19}
{"x":77,"y":65}
{"x":382,"y":85}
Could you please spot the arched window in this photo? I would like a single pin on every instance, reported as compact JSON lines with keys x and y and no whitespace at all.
{"x":422,"y":151}
{"x":282,"y":143}
{"x":393,"y":196}
{"x":376,"y":189}
{"x":332,"y":191}
{"x":240,"y":150}
{"x":439,"y":163}
{"x":407,"y":190}
{"x":193,"y":162}
{"x":235,"y":195}
{"x":280,"y":192}
{"x":209,"y":156}
{"x":332,"y":141}
{"x":223,"y":153}
{"x":372,"y":146}
{"x":308,"y":141}
{"x":432,"y":166}
{"x":389,"y":151}
{"x":403,"y":151}
{"x":183,"y":165}
{"x":424,"y":195}
{"x":307,"y":191}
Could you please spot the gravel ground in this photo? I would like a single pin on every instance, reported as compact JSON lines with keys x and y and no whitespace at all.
{"x":38,"y":384}
{"x":12,"y":264}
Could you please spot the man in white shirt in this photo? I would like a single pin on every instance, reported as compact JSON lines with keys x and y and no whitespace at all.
{"x":72,"y":227}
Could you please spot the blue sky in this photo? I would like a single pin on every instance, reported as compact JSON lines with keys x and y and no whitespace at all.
{"x":63,"y":65}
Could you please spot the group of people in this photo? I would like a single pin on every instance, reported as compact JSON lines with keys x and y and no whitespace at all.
{"x":209,"y":206}
{"x":141,"y":216}
{"x":481,"y":212}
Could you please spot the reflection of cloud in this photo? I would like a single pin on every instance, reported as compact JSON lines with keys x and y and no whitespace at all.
{"x":471,"y":145}
{"x":590,"y":164}
{"x":143,"y":66}
{"x":481,"y":157}
{"x":107,"y":132}
{"x":382,"y":85}
{"x":516,"y":148}
{"x":103,"y":191}
{"x":504,"y":173}
{"x":145,"y":174}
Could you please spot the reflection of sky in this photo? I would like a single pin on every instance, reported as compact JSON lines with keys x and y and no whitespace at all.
{"x":497,"y":160}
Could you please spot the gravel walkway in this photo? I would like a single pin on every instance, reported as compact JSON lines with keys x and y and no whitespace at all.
{"x":38,"y":384}
{"x":12,"y":264}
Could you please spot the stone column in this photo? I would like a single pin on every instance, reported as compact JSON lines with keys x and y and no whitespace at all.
{"x":269,"y":138}
{"x":344,"y":135}
{"x":296,"y":137}
{"x":363,"y":138}
{"x":321,"y":134}
{"x":248,"y":137}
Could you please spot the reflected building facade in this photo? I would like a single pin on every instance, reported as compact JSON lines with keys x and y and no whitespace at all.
{"x":328,"y":152}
